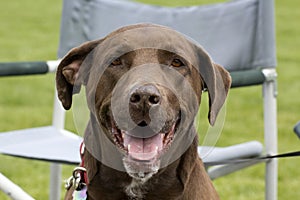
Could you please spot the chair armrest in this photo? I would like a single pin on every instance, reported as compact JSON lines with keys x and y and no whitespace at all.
{"x":247,"y":78}
{"x":27,"y":68}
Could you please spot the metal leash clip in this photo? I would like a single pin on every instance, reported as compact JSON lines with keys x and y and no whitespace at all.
{"x":77,"y":179}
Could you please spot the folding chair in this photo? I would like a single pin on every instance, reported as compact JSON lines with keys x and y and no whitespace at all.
{"x":238,"y":34}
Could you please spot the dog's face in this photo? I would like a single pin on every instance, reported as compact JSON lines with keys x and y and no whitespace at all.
{"x":142,"y":110}
{"x":143,"y":92}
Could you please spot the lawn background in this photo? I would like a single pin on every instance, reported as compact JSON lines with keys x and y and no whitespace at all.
{"x":29,"y":30}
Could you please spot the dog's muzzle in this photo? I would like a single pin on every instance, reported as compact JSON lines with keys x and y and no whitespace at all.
{"x":153,"y":131}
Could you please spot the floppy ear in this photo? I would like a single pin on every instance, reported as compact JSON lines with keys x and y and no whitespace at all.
{"x":217,"y":81}
{"x":68,"y":72}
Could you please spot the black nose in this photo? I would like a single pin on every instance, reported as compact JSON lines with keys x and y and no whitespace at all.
{"x":145,"y":96}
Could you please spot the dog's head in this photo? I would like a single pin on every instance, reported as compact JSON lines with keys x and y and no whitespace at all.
{"x":143,"y":86}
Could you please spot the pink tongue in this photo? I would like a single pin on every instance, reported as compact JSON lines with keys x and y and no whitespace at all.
{"x":143,"y":148}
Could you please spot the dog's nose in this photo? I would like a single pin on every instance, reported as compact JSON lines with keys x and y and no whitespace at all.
{"x":146,"y":95}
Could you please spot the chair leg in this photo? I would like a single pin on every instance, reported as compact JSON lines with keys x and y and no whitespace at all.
{"x":12,"y":190}
{"x":58,"y":121}
{"x":270,"y":130}
{"x":55,"y":181}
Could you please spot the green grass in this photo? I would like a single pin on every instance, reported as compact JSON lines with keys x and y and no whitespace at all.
{"x":30,"y":31}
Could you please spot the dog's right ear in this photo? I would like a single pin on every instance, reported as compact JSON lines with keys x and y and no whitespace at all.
{"x":69,"y":69}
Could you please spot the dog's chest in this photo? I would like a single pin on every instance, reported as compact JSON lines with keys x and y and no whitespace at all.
{"x":153,"y":189}
{"x":136,"y":190}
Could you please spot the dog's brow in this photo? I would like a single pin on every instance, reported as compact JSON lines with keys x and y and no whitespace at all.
{"x":169,"y":48}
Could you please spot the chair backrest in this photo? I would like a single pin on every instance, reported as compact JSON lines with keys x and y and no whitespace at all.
{"x":238,"y":34}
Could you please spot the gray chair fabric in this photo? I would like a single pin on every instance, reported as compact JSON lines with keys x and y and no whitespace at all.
{"x":238,"y":34}
{"x":42,"y":143}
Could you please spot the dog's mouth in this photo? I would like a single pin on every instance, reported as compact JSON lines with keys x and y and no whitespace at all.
{"x":142,"y":144}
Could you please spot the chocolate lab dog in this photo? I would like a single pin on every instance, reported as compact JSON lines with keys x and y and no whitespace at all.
{"x":143,"y":86}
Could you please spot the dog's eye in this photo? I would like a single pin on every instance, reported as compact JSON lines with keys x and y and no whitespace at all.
{"x":177,"y":63}
{"x":116,"y":62}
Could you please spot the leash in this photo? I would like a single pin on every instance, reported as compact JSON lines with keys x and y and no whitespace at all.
{"x":79,"y":179}
{"x":267,"y":157}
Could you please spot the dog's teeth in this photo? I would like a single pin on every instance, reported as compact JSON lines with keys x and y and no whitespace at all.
{"x":128,"y":147}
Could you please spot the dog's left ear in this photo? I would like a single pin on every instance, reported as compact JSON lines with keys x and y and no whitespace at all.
{"x":68,"y":72}
{"x":217,"y":81}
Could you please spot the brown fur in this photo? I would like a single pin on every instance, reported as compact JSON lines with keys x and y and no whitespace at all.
{"x":183,"y":179}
